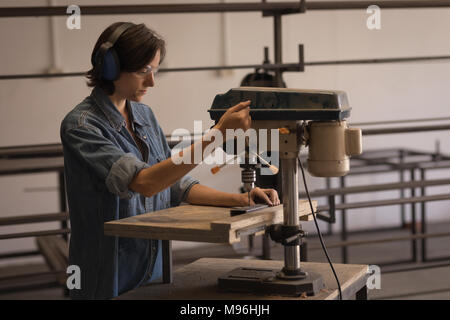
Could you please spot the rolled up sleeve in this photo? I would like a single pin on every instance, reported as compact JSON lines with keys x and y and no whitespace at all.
{"x":105,"y":160}
{"x":122,"y":173}
{"x":180,"y":190}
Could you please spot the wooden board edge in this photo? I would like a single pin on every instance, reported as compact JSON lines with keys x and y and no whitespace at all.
{"x":195,"y":235}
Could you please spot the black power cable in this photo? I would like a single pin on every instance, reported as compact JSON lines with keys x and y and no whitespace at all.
{"x":318,"y":230}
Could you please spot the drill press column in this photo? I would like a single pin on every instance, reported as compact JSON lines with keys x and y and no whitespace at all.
{"x":290,"y":212}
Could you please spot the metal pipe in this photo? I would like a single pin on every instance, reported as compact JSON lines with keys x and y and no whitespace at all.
{"x":33,"y":234}
{"x":34,"y":274}
{"x":54,"y":45}
{"x":376,"y":60}
{"x":40,"y":284}
{"x":398,"y":121}
{"x":153,"y":9}
{"x":389,"y":202}
{"x":371,"y":132}
{"x":39,"y":150}
{"x":401,"y":172}
{"x":278,"y":48}
{"x":290,"y":190}
{"x":6,"y":221}
{"x":280,"y":7}
{"x":344,"y":251}
{"x":423,"y":219}
{"x":413,"y":219}
{"x":427,"y":165}
{"x":290,"y":209}
{"x":377,"y":187}
{"x":387,"y":4}
{"x":331,"y":203}
{"x":363,"y":242}
{"x":270,"y":66}
{"x":19,"y":254}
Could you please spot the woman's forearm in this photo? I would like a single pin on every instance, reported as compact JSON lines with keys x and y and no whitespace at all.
{"x":158,"y":177}
{"x":154,"y":179}
{"x":203,"y":195}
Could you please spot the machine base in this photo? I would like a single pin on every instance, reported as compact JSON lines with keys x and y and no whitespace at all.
{"x":266,"y":281}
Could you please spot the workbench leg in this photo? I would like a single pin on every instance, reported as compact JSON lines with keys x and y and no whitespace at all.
{"x":63,"y":208}
{"x":62,"y":200}
{"x":362,"y":294}
{"x":167,"y":261}
{"x":266,"y":247}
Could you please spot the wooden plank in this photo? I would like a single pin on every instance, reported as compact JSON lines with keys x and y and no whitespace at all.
{"x":156,"y":232}
{"x":270,"y":215}
{"x":267,"y":216}
{"x":196,"y":223}
{"x":184,"y":223}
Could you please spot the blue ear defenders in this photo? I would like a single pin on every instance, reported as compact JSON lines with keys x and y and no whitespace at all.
{"x":106,"y":59}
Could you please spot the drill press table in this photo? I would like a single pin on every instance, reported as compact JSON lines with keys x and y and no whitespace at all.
{"x":201,"y":223}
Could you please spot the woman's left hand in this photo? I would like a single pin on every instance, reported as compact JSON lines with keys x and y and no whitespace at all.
{"x":258,"y":195}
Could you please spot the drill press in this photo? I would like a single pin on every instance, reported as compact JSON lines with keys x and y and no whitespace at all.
{"x":313,"y":118}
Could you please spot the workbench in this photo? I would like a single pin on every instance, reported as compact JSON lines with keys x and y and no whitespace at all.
{"x":199,"y":224}
{"x":198,"y":281}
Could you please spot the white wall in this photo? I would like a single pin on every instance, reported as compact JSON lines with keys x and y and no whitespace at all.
{"x":32,"y":109}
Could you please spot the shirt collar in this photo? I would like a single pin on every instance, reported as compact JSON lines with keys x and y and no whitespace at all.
{"x":136,"y":115}
{"x":113,"y":115}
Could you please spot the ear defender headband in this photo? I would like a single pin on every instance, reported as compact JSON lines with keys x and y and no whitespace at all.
{"x":106,"y":59}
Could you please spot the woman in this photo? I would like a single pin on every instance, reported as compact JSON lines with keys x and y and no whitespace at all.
{"x":118,"y":164}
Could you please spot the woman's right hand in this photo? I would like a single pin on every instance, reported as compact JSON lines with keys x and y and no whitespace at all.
{"x":236,"y":117}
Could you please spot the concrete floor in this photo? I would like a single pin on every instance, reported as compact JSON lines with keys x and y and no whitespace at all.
{"x":398,"y":281}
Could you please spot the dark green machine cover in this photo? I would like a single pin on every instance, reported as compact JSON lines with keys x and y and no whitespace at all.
{"x":284,"y":104}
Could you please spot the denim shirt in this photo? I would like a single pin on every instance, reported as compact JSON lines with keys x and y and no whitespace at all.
{"x":101,"y":159}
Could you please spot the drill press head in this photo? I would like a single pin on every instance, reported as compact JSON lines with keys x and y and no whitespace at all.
{"x":285,"y":104}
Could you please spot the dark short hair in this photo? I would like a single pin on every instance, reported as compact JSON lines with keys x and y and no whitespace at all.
{"x":135,"y":48}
